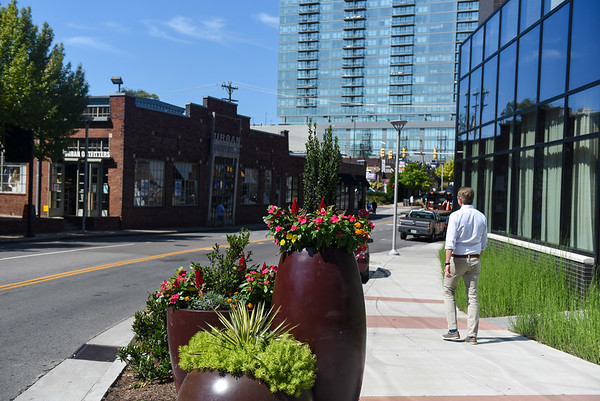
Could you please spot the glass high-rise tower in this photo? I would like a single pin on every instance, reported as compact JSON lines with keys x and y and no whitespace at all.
{"x":358,"y":64}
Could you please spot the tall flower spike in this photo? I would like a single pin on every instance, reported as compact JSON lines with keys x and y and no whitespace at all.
{"x":322,"y":205}
{"x":242,"y":265}
{"x":295,"y":207}
{"x":199,"y":279}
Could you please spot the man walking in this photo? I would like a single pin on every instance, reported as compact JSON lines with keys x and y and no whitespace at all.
{"x":466,"y":238}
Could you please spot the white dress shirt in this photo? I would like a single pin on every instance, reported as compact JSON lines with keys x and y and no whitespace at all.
{"x":467,"y":231}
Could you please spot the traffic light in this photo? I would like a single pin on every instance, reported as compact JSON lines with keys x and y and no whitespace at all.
{"x":390,"y":155}
{"x":435,"y":153}
{"x":404,"y":152}
{"x":382,"y":153}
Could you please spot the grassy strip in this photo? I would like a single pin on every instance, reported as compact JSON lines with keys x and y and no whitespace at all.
{"x":536,"y":292}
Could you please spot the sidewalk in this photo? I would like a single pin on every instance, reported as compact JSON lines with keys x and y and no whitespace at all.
{"x":406,"y":358}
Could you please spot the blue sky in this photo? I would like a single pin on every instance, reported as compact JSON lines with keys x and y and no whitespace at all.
{"x":182,"y":50}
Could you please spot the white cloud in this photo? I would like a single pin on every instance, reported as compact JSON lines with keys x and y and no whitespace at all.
{"x":86,"y":41}
{"x":269,"y":20}
{"x":178,"y":28}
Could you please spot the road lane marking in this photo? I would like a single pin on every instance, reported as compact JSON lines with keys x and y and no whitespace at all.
{"x":38,"y":280}
{"x":67,"y":251}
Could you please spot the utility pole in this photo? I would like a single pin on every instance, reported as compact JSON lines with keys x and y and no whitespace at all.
{"x":229,"y":88}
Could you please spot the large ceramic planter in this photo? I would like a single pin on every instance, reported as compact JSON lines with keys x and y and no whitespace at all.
{"x":216,"y":386}
{"x":182,"y":324}
{"x":322,"y":293}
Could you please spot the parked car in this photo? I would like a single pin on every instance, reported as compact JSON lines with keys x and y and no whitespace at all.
{"x":362,"y":259}
{"x":422,"y":223}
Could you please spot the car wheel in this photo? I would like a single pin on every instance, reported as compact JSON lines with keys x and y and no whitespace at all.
{"x":403,"y":235}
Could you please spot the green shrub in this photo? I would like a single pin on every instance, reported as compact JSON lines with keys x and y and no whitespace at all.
{"x":248,"y":346}
{"x":148,"y":353}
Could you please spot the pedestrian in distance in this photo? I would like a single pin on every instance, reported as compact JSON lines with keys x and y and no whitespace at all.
{"x":466,"y":238}
{"x":220,"y":215}
{"x":374,"y":206}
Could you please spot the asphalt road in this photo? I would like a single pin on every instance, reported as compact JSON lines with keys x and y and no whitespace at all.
{"x":56,"y":295}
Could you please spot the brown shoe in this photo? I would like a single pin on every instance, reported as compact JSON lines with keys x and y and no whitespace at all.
{"x":471,"y":340}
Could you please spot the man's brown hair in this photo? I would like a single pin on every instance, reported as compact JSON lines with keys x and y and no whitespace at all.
{"x":466,"y":195}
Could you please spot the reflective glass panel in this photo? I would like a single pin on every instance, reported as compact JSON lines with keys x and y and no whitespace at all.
{"x":524,"y":204}
{"x":554,"y":54}
{"x":463,"y":104}
{"x":552,"y":117}
{"x":492,"y":32}
{"x":585,"y":48}
{"x":530,"y":12}
{"x":506,"y":80}
{"x":510,"y":17}
{"x":550,"y":5}
{"x":584,"y":205}
{"x":465,"y":52}
{"x":477,"y":48}
{"x":584,"y":112}
{"x":528,"y":68}
{"x":550,"y":187}
{"x":488,"y":92}
{"x":475,"y":101}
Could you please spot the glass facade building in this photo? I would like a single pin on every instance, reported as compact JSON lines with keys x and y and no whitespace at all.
{"x":528,"y":122}
{"x":358,"y":64}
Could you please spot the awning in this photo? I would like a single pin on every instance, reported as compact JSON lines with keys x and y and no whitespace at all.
{"x":361,"y":179}
{"x":347,"y":179}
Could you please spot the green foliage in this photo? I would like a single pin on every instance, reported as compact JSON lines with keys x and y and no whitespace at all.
{"x":403,"y":191}
{"x":248,"y":346}
{"x":414,"y":178}
{"x":148,"y":353}
{"x":537,"y":292}
{"x":382,"y":198}
{"x":321,"y":169}
{"x":140,"y":93}
{"x":448,"y":171}
{"x":223,"y":274}
{"x":37,"y":91}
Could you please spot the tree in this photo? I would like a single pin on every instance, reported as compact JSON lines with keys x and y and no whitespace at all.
{"x":140,"y":93}
{"x":321,"y":169}
{"x":37,"y":91}
{"x":448,"y":171}
{"x":415,"y":178}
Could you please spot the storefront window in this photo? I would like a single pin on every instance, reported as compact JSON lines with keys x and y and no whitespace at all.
{"x":267,"y":187}
{"x":185,"y":181}
{"x":249,"y":181}
{"x":223,"y":183}
{"x":524,"y":204}
{"x":13,"y":178}
{"x":291,"y":188}
{"x":342,"y":200}
{"x":584,"y":205}
{"x":149,"y":183}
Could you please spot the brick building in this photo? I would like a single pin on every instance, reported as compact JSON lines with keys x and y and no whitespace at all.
{"x":152,"y":164}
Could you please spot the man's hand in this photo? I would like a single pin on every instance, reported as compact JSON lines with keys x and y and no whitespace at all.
{"x":447,"y":271}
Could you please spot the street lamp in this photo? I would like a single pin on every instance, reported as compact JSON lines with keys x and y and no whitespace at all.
{"x":117,"y":81}
{"x":398,"y":125}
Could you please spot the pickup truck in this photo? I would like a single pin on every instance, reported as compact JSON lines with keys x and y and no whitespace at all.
{"x":422,"y":223}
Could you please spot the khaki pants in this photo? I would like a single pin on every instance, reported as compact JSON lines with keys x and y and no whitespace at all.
{"x":468,"y":269}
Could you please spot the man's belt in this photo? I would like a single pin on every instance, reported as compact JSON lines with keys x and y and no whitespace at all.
{"x":466,"y":256}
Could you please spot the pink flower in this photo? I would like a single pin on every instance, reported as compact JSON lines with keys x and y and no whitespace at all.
{"x":334,"y":219}
{"x":272,"y":209}
{"x":371,"y":224}
{"x":266,"y":282}
{"x":294,"y":228}
{"x":250,"y":279}
{"x":318,"y":220}
{"x":278,"y":228}
{"x":352,"y":218}
{"x":302,"y":220}
{"x":182,"y":272}
{"x":174,"y":298}
{"x":323,"y":212}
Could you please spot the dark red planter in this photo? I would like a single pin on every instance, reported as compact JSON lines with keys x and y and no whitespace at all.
{"x":216,"y":386}
{"x":322,"y":293}
{"x":182,"y":324}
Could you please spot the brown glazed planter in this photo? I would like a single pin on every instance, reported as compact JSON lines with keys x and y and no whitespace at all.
{"x":216,"y":386}
{"x":322,"y":293}
{"x":182,"y":324}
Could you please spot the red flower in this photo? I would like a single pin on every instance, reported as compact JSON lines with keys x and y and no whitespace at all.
{"x":242,"y":264}
{"x":322,"y":204}
{"x":295,"y":207}
{"x":199,"y":279}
